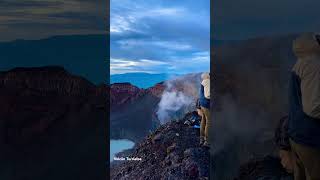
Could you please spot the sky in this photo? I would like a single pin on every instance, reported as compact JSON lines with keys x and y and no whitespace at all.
{"x":159,"y":36}
{"x":236,"y":20}
{"x":37,"y":19}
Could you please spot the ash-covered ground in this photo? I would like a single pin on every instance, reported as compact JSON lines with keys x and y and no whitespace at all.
{"x":170,"y":152}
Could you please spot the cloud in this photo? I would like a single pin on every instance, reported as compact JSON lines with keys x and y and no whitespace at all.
{"x":171,"y":45}
{"x":119,"y":66}
{"x":35,"y":19}
{"x":120,"y":24}
{"x":133,"y":20}
{"x":29,"y":3}
{"x":196,"y":62}
{"x":250,"y":18}
{"x":164,"y":31}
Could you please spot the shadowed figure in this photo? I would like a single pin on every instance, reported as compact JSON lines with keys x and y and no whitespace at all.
{"x":304,"y":107}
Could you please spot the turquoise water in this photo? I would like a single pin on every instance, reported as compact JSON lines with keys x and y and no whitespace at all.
{"x":117,"y":146}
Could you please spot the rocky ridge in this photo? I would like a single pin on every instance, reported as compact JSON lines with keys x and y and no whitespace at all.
{"x":170,"y":152}
{"x":122,"y":93}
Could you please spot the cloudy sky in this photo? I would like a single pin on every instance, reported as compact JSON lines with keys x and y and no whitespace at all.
{"x":244,"y":19}
{"x":159,"y":36}
{"x":36,"y":19}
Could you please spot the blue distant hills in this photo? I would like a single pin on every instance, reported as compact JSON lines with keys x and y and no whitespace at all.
{"x":141,"y":80}
{"x":84,"y":55}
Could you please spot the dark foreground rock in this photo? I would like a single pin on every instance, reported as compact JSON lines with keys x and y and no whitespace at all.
{"x":129,"y":102}
{"x":171,"y":152}
{"x":250,"y":92}
{"x":264,"y":168}
{"x":52,"y":125}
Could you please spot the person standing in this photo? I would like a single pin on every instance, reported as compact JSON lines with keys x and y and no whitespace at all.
{"x":204,"y":99}
{"x":304,"y":108}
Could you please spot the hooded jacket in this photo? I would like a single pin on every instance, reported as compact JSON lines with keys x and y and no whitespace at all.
{"x":304,"y":92}
{"x":206,"y":85}
{"x":204,"y":96}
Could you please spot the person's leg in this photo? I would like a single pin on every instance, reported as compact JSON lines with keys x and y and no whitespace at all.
{"x":199,"y":111}
{"x":206,"y":114}
{"x":309,"y":160}
{"x":202,"y":126}
{"x":287,"y":160}
{"x":298,"y":169}
{"x":208,"y":123}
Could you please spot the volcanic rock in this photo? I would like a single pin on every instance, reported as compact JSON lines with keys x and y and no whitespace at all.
{"x":50,"y":120}
{"x":264,"y":168}
{"x":134,"y":110}
{"x":167,"y":156}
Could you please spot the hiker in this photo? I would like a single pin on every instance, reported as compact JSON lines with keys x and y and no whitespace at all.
{"x":304,"y":108}
{"x":204,"y":99}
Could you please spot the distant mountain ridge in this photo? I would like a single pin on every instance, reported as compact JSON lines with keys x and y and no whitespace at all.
{"x":142,"y":80}
{"x":85,"y":55}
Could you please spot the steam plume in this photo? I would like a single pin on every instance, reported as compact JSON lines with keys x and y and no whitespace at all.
{"x":178,"y":98}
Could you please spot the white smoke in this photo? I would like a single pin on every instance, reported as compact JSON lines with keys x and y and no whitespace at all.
{"x":171,"y":103}
{"x":178,"y":98}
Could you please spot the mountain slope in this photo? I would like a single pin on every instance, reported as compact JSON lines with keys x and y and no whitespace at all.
{"x":49,"y":118}
{"x":142,"y":80}
{"x":171,"y":152}
{"x":134,"y":110}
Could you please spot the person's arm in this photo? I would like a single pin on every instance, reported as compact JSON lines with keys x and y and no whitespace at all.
{"x":206,"y":85}
{"x":295,"y":103}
